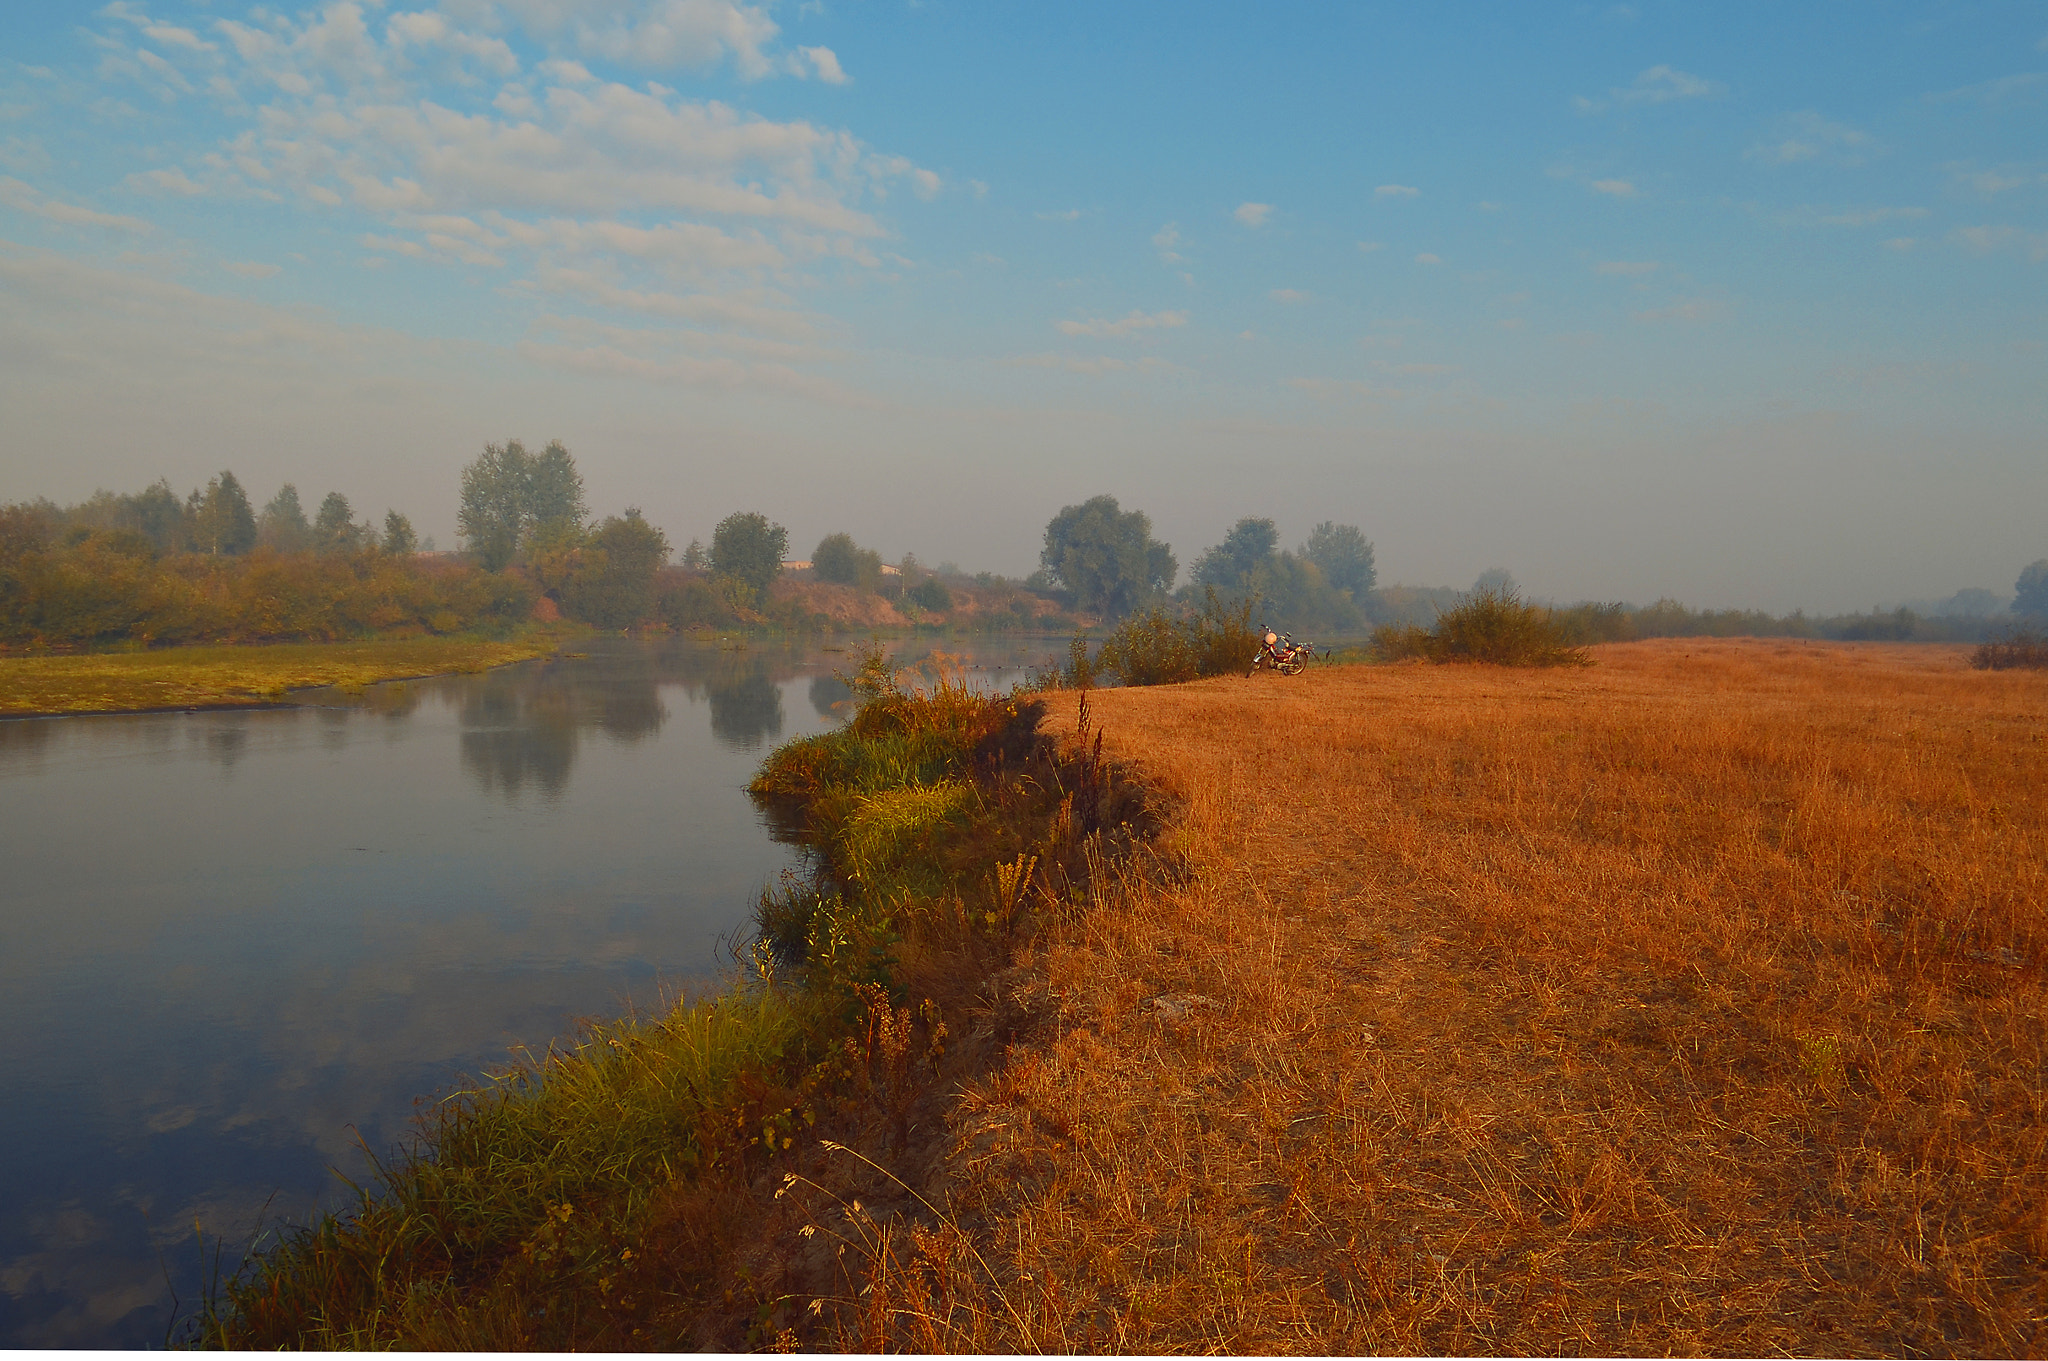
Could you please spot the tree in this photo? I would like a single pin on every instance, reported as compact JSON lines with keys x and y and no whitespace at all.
{"x":1345,"y":557}
{"x":283,"y":527}
{"x":1498,"y":580}
{"x":931,"y":594}
{"x":747,"y":548}
{"x":838,"y":558}
{"x":2030,"y":592}
{"x":612,"y":581}
{"x":1107,"y":556}
{"x":334,"y":529}
{"x":693,"y":556}
{"x":220,"y":517}
{"x":511,"y":497}
{"x":1230,"y":564}
{"x":399,"y":540}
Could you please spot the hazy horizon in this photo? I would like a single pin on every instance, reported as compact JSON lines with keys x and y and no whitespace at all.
{"x":1734,"y":305}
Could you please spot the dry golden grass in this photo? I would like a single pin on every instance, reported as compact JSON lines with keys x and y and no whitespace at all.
{"x":231,"y":676}
{"x":1692,"y":1001}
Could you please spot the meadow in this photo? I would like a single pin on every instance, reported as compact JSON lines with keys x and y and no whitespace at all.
{"x":1689,"y":1001}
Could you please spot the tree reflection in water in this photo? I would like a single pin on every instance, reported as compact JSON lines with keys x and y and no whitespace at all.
{"x":746,"y":708}
{"x":518,"y":728}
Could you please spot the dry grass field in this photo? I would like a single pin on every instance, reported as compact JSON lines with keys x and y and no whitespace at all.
{"x":1691,"y":1001}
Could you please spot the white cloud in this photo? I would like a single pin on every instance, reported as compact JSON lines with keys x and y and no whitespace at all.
{"x":1166,"y":241}
{"x":826,"y":65}
{"x":1125,"y":326}
{"x":1997,"y":91}
{"x":1867,"y":217}
{"x":1424,"y":370}
{"x":1287,"y":295}
{"x":1901,"y":243}
{"x":747,"y":312}
{"x":1618,"y":188}
{"x":1429,"y":258}
{"x":1657,"y":85}
{"x":665,"y":33}
{"x":1368,"y":247}
{"x":1380,"y":342}
{"x":1396,"y":191}
{"x":1065,"y":215}
{"x":1625,"y":267}
{"x":1253,"y":214}
{"x":1989,"y":182}
{"x":1686,"y":310}
{"x":1488,"y":206}
{"x":1808,"y":136}
{"x":27,"y":199}
{"x":1093,"y":367}
{"x":1511,"y":323}
{"x":1985,"y":240}
{"x":252,"y":269}
{"x":1344,"y":390}
{"x":166,"y":181}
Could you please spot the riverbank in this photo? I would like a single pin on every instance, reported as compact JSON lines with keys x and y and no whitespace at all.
{"x":1689,"y":1001}
{"x":242,"y":676}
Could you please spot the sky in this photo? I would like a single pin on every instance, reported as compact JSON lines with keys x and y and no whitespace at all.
{"x":1741,"y":304}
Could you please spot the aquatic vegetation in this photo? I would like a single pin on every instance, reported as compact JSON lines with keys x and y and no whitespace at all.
{"x":226,"y":677}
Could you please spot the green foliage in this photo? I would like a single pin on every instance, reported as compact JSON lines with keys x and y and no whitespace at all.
{"x":2030,"y":591}
{"x":1107,"y":557}
{"x":1230,"y":564}
{"x":542,"y":1179}
{"x":220,"y":519}
{"x":609,"y":580}
{"x":1490,"y":626}
{"x":1344,"y":555}
{"x":283,"y":527}
{"x":398,"y":535}
{"x":1159,"y":648}
{"x":931,"y":594}
{"x":334,"y":528}
{"x":511,"y":498}
{"x":746,"y":548}
{"x":839,"y":559}
{"x":98,"y":586}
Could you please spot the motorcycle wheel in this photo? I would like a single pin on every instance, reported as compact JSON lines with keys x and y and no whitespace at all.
{"x":1292,"y":668}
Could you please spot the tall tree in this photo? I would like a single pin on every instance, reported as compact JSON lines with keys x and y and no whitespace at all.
{"x":1230,"y":564}
{"x":1107,"y":556}
{"x":510,"y":498}
{"x":1345,"y":556}
{"x":334,"y":529}
{"x":399,"y":540}
{"x":838,"y":558}
{"x":2030,"y":592}
{"x":612,"y":583}
{"x":747,"y":548}
{"x":283,"y":527}
{"x":220,"y":517}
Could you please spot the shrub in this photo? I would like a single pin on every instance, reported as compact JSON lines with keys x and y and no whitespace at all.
{"x":1158,"y":649}
{"x":1489,"y":625}
{"x":2019,"y":648}
{"x":931,"y":594}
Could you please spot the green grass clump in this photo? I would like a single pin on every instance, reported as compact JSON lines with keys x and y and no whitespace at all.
{"x":531,"y":1187}
{"x":1490,"y":626}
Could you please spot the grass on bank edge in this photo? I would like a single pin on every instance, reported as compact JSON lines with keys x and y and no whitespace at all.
{"x":230,"y":676}
{"x":620,"y":1193}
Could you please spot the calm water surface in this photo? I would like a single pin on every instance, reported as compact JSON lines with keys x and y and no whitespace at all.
{"x":234,"y":945}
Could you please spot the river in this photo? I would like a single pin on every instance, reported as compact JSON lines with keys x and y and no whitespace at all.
{"x":236,"y":948}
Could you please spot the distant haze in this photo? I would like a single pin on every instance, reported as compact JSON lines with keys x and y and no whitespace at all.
{"x":1743,"y":306}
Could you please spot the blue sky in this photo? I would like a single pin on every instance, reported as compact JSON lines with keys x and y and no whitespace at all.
{"x":1741,"y":304}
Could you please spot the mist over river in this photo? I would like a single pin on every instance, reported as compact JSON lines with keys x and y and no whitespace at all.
{"x":233,"y":944}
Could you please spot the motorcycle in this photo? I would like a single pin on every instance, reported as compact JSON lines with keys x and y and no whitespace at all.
{"x":1282,"y":654}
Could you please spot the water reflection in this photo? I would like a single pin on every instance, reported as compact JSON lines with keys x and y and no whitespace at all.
{"x":746,"y":709}
{"x":830,"y":695}
{"x":232,"y":941}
